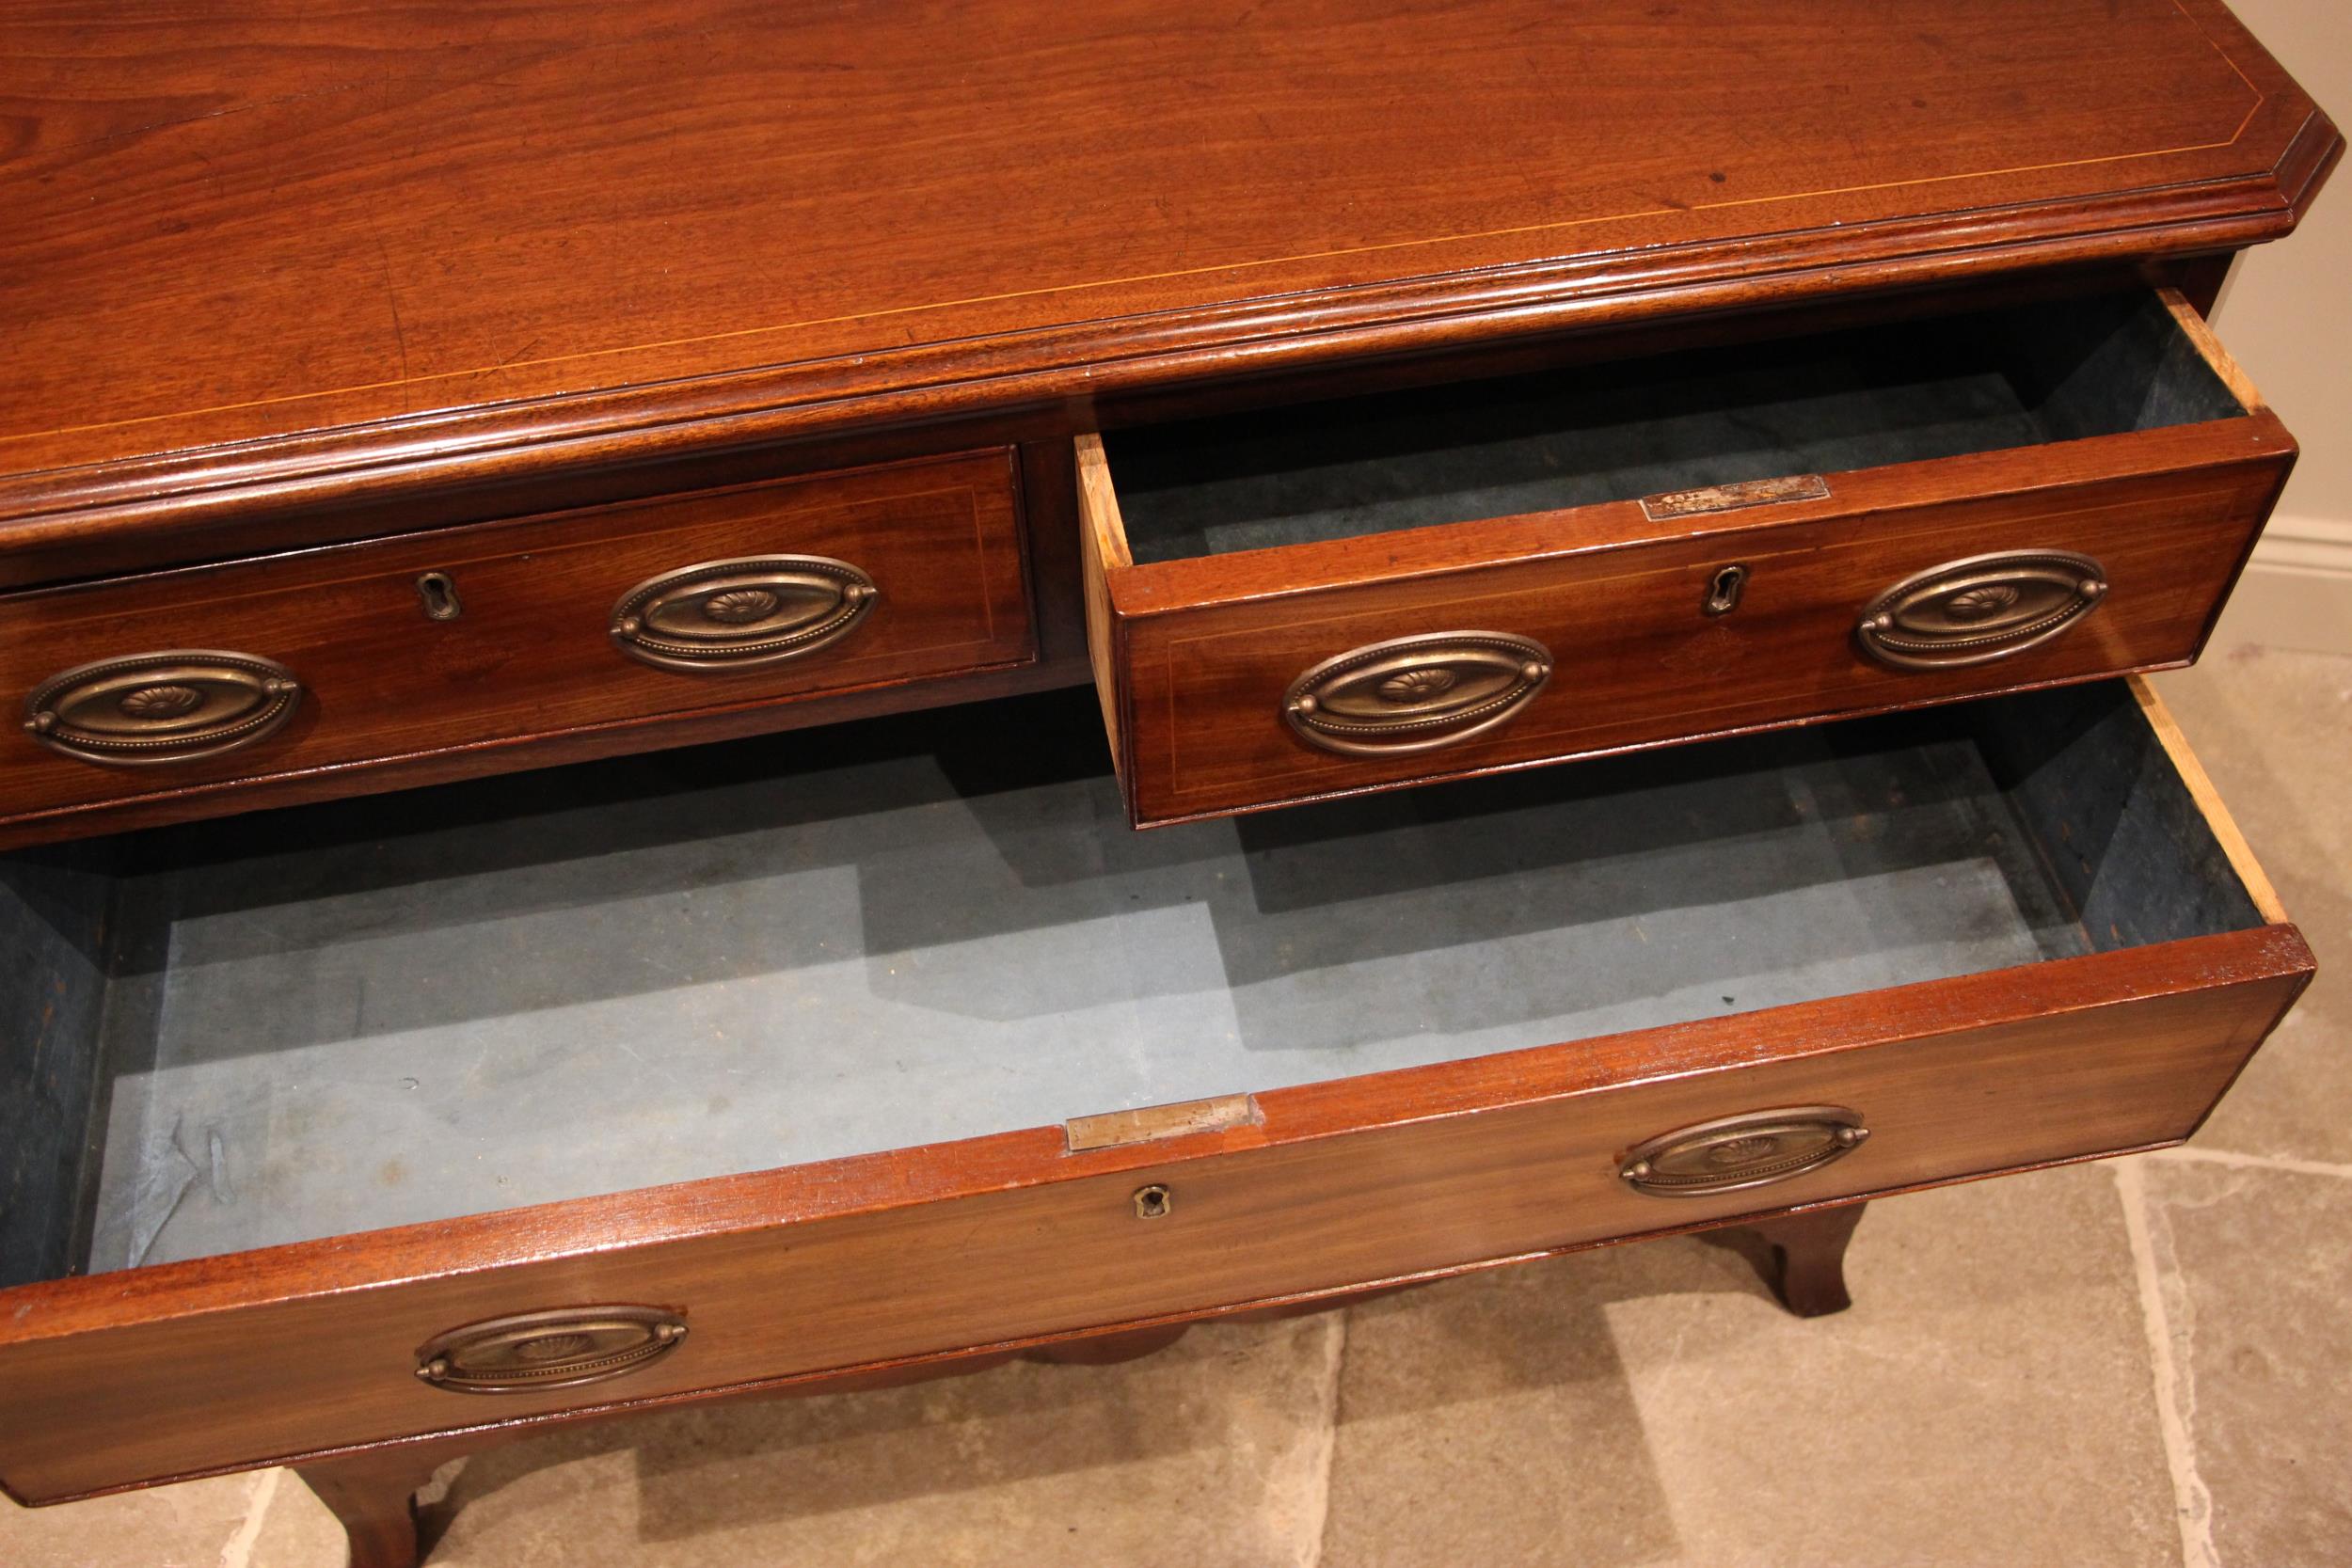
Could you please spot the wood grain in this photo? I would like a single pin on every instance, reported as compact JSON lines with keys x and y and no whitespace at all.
{"x":549,"y":748}
{"x":1207,"y":646}
{"x":130,"y":531}
{"x":2209,"y":802}
{"x":372,"y":1491}
{"x":1049,"y":517}
{"x":374,"y":1497}
{"x":1102,"y":551}
{"x":530,"y":654}
{"x":1343,"y":1185}
{"x":2191,"y":319}
{"x":263,"y":257}
{"x":1809,"y":1259}
{"x":276,"y":279}
{"x":1159,"y":1121}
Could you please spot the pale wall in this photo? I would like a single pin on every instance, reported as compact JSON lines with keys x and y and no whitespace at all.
{"x":2287,"y":316}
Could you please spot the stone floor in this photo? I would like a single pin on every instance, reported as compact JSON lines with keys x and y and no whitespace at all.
{"x":2143,"y":1362}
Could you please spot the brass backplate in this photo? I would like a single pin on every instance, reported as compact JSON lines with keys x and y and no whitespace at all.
{"x":1415,"y":693}
{"x":144,"y":710}
{"x":1752,"y":1149}
{"x":558,"y":1348}
{"x":739,"y":615}
{"x":1980,"y":608}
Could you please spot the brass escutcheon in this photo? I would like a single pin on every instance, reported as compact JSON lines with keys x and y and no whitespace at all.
{"x":555,"y":1349}
{"x":1980,"y":608}
{"x":1415,"y":693}
{"x":437,"y":593}
{"x":149,"y":709}
{"x":1752,"y":1149}
{"x":1154,"y":1202}
{"x":741,"y":614}
{"x":1723,"y":590}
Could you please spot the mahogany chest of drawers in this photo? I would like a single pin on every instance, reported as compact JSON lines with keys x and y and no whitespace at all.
{"x":597,"y":602}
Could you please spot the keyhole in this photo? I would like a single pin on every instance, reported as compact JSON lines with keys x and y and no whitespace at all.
{"x":1723,"y":591}
{"x":439,"y":596}
{"x":1153,"y":1201}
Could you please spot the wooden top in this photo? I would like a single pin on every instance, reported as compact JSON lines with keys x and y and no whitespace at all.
{"x":357,"y":240}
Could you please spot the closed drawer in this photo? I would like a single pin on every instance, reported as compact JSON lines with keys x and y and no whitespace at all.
{"x":1316,"y":601}
{"x":881,"y":1015}
{"x":181,"y":683}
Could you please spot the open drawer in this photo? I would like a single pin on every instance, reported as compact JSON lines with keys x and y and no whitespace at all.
{"x":1319,"y":600}
{"x":380,"y":1110}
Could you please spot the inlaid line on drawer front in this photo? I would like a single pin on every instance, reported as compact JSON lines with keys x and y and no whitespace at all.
{"x":967,"y":923}
{"x":900,"y":949}
{"x":1515,"y":1159}
{"x":529,"y":649}
{"x":1821,"y":658}
{"x":944,"y":967}
{"x":1240,"y":556}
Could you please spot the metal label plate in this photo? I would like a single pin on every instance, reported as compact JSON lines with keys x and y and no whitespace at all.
{"x":1730,"y":498}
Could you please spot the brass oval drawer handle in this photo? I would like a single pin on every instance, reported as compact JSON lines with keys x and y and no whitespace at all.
{"x":1748,"y":1150}
{"x":741,"y":614}
{"x":151,"y":709}
{"x":559,"y":1349}
{"x":1415,"y":693}
{"x":1976,"y":610}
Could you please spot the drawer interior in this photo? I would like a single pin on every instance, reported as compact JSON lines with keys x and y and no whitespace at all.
{"x":1863,"y":398}
{"x":470,"y":998}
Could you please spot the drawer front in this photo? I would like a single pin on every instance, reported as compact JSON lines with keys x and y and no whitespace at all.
{"x":1535,"y":645}
{"x":500,"y":631}
{"x":112,"y":1380}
